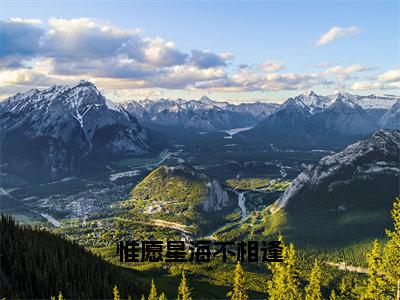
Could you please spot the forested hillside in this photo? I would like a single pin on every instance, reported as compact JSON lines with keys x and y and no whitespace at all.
{"x":37,"y":264}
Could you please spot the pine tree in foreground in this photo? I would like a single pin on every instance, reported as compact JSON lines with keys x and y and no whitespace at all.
{"x":284,"y":284}
{"x":391,"y":257}
{"x":184,"y":290}
{"x":344,"y":289}
{"x":375,"y":283}
{"x":239,"y":286}
{"x":116,"y":293}
{"x":60,"y":296}
{"x":333,"y":295}
{"x":162,"y":296}
{"x":142,"y":298}
{"x":313,"y":290}
{"x":153,"y":291}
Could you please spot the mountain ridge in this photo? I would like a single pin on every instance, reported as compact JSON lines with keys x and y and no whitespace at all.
{"x":331,"y":203}
{"x":62,"y":125}
{"x":309,"y":120}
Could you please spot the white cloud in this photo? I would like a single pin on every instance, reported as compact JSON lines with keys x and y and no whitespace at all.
{"x":368,"y":85}
{"x":248,"y":80}
{"x":336,"y":32}
{"x":270,"y":66}
{"x":345,"y":73}
{"x":26,"y":21}
{"x":17,"y":77}
{"x":365,"y":85}
{"x":390,"y":76}
{"x":62,"y":51}
{"x":124,"y":95}
{"x":385,"y":81}
{"x":90,"y":48}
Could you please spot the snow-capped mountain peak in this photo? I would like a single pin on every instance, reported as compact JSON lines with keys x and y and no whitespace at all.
{"x":78,"y":119}
{"x":295,"y":104}
{"x":202,"y":114}
{"x":314,"y":102}
{"x":205,"y":99}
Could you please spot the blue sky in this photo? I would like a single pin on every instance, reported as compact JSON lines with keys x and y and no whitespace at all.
{"x":229,"y":50}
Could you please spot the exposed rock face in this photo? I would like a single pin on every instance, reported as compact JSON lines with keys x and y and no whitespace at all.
{"x":217,"y":197}
{"x":371,"y":158}
{"x":203,"y":114}
{"x":57,"y":128}
{"x":391,"y":119}
{"x":334,"y":121}
{"x":182,"y":195}
{"x":343,"y":118}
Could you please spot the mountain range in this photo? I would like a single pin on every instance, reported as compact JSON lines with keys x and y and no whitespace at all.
{"x":203,"y":114}
{"x":58,"y":130}
{"x":337,"y":120}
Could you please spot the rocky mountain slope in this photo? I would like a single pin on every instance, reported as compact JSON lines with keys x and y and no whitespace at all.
{"x":344,"y":117}
{"x":203,"y":114}
{"x":55,"y":129}
{"x":391,"y":119}
{"x":345,"y":193}
{"x":337,"y":120}
{"x":182,"y":196}
{"x":289,"y":123}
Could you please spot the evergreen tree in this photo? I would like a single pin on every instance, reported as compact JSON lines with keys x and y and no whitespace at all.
{"x":153,"y":291}
{"x":116,"y":293}
{"x":333,"y":295}
{"x":142,"y":298}
{"x":162,"y":297}
{"x":313,"y":290}
{"x":284,"y":283}
{"x":391,"y":257}
{"x":60,"y":296}
{"x":344,"y":289}
{"x":183,"y":290}
{"x":375,"y":283}
{"x":239,"y":286}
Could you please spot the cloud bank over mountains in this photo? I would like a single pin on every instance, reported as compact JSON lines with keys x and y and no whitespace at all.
{"x":61,"y":51}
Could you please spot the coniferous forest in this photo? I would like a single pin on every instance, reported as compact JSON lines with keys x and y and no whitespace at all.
{"x":38,"y":264}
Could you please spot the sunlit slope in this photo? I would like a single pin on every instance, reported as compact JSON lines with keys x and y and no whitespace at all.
{"x":347,"y":197}
{"x":180,"y":197}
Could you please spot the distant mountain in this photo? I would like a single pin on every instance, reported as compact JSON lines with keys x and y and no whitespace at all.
{"x":345,"y":193}
{"x":314,"y":102}
{"x":55,"y":129}
{"x":391,"y":119}
{"x":376,"y":101}
{"x":203,"y":114}
{"x":375,"y":105}
{"x":289,"y":123}
{"x":180,"y":197}
{"x":344,"y":117}
{"x":311,"y":120}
